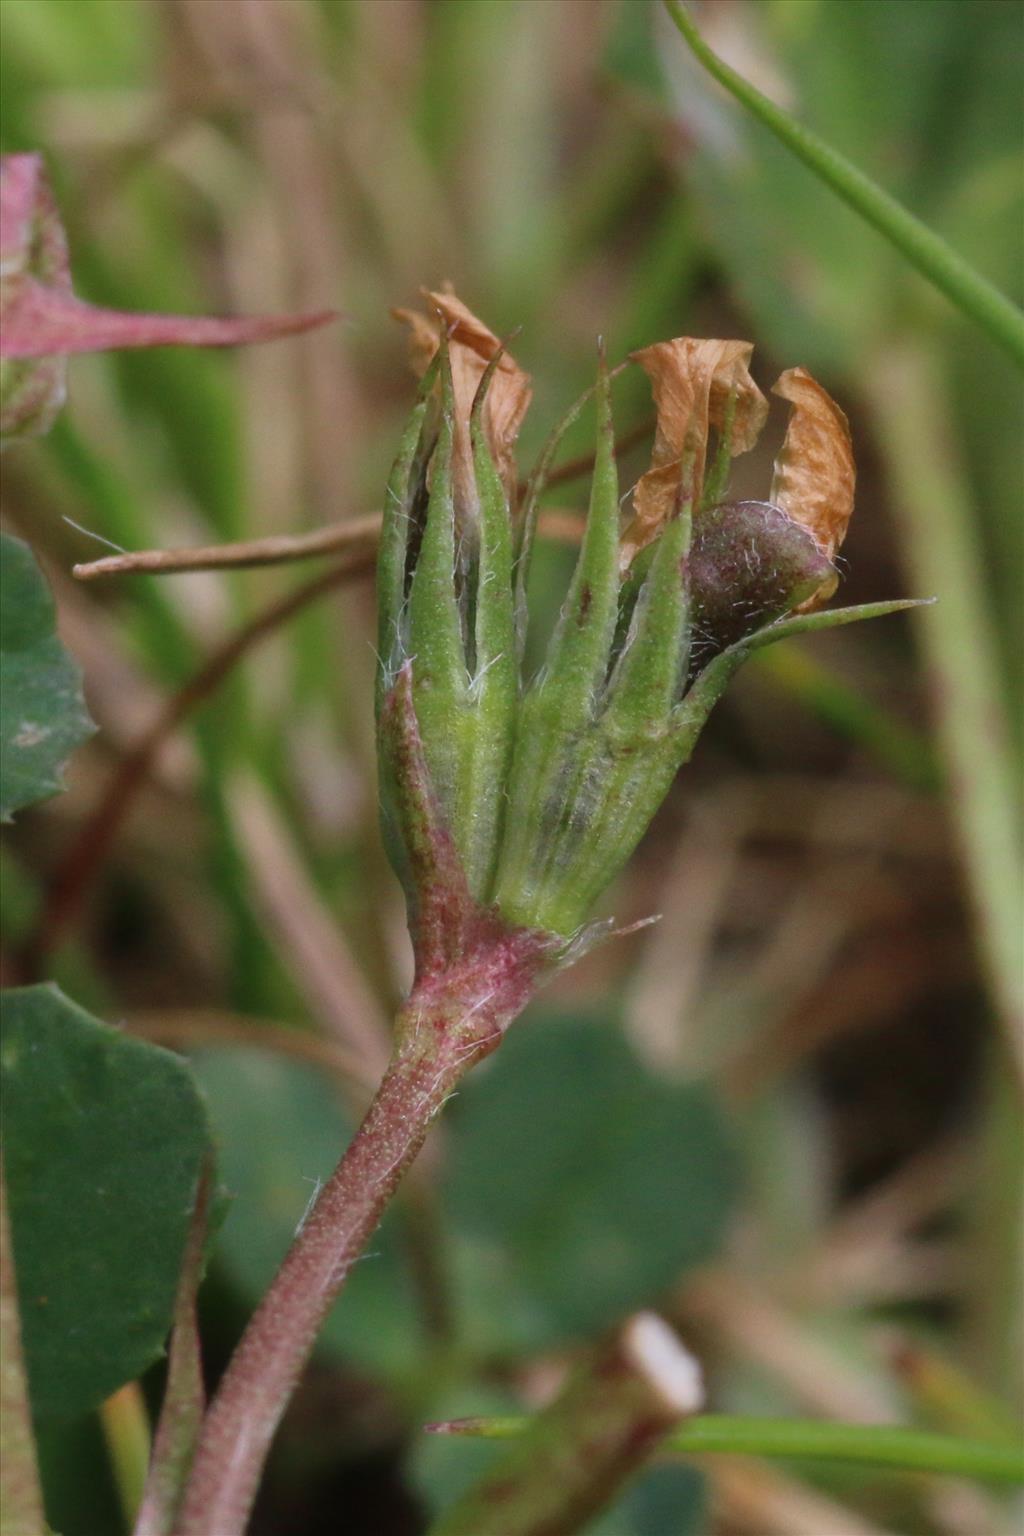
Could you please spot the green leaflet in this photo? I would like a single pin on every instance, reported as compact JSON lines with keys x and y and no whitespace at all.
{"x":42,"y":711}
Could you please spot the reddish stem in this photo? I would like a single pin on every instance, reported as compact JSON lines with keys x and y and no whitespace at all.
{"x":451,"y":1021}
{"x":265,"y":1368}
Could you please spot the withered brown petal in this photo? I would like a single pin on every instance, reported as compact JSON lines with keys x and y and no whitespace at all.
{"x":693,"y":380}
{"x":814,"y":474}
{"x":472,"y":346}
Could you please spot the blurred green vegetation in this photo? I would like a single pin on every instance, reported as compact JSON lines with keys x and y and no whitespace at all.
{"x":838,"y":969}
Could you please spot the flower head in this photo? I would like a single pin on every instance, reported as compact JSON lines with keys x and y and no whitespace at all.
{"x":537,"y":791}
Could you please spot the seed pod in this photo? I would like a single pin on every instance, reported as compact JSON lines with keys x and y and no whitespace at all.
{"x":750,"y":563}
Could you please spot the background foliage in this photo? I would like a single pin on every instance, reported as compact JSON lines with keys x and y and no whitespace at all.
{"x":789,"y":1113}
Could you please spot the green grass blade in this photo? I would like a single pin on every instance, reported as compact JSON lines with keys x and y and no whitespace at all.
{"x":868,"y":1445}
{"x":972,"y":293}
{"x":916,"y":430}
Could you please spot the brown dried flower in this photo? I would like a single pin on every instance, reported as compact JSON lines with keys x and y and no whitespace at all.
{"x":814,"y":472}
{"x":472,"y":346}
{"x":701,"y":384}
{"x":693,"y":382}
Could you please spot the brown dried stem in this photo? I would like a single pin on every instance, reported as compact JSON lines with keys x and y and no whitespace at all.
{"x":280,"y":549}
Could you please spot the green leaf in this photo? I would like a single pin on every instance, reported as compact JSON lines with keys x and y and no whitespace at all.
{"x":280,"y":1130}
{"x":104,"y":1137}
{"x":580,"y":1186}
{"x":42,"y":712}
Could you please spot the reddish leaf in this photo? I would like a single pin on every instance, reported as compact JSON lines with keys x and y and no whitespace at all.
{"x":42,"y":322}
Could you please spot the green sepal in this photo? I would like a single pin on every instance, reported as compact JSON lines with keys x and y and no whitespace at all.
{"x":649,"y":672}
{"x":618,"y":785}
{"x":716,"y":482}
{"x":526,"y":526}
{"x":436,"y":640}
{"x":457,"y":629}
{"x":623,"y":765}
{"x":494,"y":680}
{"x":560,"y":705}
{"x":833,"y":618}
{"x":416,"y":831}
{"x":621,"y":781}
{"x":691,"y":715}
{"x":405,"y":489}
{"x":578,"y":655}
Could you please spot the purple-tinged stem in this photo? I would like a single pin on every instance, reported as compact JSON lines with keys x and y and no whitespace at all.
{"x":451,"y":1021}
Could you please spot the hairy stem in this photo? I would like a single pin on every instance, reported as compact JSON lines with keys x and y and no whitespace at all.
{"x":450,"y":1022}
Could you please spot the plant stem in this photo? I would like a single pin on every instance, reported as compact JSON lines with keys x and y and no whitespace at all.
{"x":125,"y":1424}
{"x":972,"y":293}
{"x":265,"y":1368}
{"x":877,"y":1445}
{"x":276,"y":549}
{"x":452,"y":1020}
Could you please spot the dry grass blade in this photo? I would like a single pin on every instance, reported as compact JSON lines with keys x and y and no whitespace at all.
{"x":306,"y":933}
{"x":758,"y":1501}
{"x":277,"y":549}
{"x":74,"y":876}
{"x":754,"y":1326}
{"x":184,"y":1396}
{"x":560,"y":524}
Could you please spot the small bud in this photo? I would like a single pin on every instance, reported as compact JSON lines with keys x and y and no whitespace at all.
{"x":750,"y":563}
